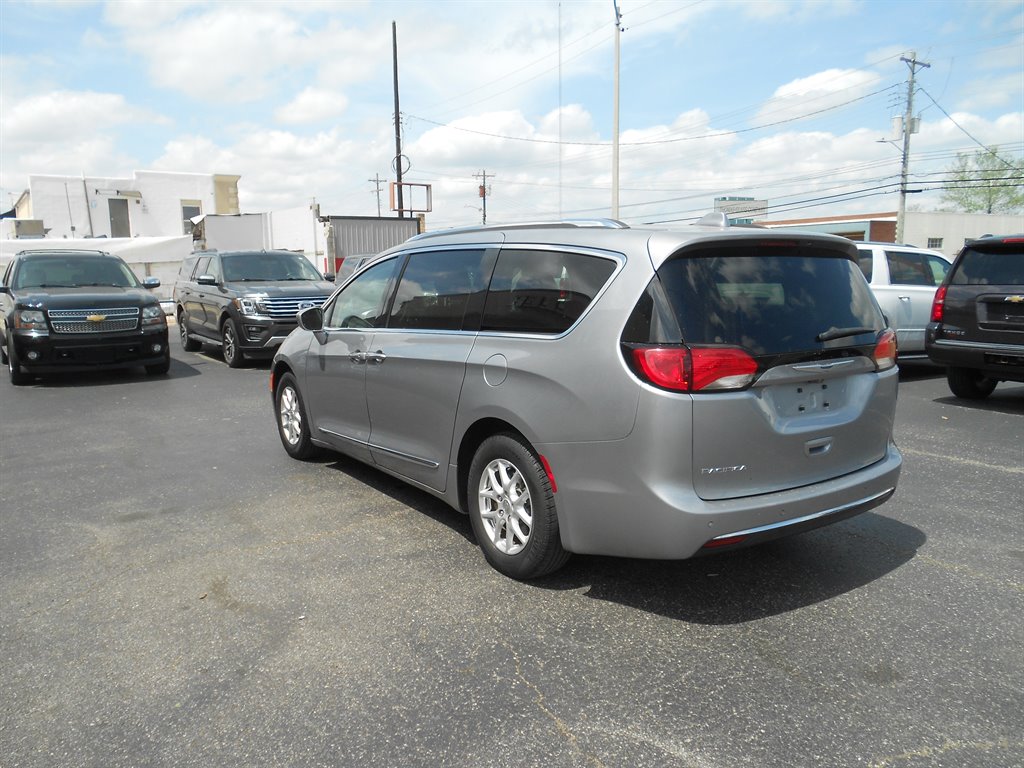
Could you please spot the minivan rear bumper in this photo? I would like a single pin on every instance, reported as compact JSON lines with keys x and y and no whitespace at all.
{"x":628,"y":517}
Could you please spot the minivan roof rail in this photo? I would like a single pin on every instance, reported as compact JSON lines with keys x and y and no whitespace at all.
{"x":558,"y":224}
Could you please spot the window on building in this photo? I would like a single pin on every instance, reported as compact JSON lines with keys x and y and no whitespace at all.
{"x":934,"y":243}
{"x":189,"y":210}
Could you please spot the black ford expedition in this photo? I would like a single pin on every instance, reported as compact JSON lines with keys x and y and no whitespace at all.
{"x":977,"y":320}
{"x":75,"y":310}
{"x":244,"y":301}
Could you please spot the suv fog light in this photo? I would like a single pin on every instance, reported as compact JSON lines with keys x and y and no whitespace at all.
{"x":32,"y":355}
{"x":158,"y":347}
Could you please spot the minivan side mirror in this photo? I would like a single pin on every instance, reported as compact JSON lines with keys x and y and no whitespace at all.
{"x":151,"y":282}
{"x":311,"y":319}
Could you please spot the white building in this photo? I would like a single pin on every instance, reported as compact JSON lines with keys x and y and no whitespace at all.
{"x":943,"y":231}
{"x":147,"y":204}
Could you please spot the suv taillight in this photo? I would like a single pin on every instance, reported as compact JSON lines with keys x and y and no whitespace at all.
{"x":939,"y":304}
{"x":885,"y":350}
{"x":695,"y":369}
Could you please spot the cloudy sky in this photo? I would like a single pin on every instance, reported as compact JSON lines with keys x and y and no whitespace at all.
{"x":783,"y":100}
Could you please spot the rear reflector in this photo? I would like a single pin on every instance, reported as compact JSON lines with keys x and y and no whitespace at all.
{"x":549,"y":473}
{"x":724,"y":541}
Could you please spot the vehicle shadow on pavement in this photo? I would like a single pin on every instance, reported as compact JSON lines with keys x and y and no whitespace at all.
{"x":106,"y":378}
{"x":750,"y":584}
{"x":919,"y":370}
{"x":727,"y":588}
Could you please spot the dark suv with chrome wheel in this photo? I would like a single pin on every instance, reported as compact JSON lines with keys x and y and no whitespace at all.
{"x":977,"y":320}
{"x":244,"y":301}
{"x":78,"y":310}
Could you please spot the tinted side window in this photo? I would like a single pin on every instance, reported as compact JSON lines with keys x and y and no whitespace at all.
{"x":939,"y":267}
{"x":202,"y":267}
{"x":866,"y":262}
{"x":542,"y":291}
{"x":436,"y":288}
{"x":908,"y":269}
{"x":361,"y":303}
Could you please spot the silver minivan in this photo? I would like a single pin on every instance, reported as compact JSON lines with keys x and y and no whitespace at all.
{"x":595,"y":388}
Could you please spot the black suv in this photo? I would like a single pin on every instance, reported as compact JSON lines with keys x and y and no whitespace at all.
{"x":75,"y":310}
{"x":977,"y":320}
{"x":244,"y":301}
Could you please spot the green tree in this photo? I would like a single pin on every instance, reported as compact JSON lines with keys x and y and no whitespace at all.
{"x":985,"y":182}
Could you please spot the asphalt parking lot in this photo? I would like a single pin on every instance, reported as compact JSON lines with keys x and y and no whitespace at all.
{"x":176,"y":591}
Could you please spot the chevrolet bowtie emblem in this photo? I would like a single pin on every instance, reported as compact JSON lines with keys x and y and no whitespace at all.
{"x":1014,"y":299}
{"x":96,"y":318}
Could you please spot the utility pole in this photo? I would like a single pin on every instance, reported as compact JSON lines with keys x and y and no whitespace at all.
{"x":377,"y":180}
{"x":398,"y":122}
{"x":908,"y":128}
{"x":484,"y":190}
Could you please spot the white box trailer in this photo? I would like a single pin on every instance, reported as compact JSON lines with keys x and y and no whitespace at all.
{"x":355,"y":235}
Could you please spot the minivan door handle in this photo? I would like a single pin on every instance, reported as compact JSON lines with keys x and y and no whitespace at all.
{"x":376,"y":358}
{"x":357,"y":357}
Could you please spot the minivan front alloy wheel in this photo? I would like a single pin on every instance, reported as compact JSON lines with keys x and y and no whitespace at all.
{"x":292,"y":424}
{"x":512,"y":509}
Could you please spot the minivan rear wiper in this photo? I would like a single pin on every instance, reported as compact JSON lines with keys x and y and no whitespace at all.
{"x":841,"y":333}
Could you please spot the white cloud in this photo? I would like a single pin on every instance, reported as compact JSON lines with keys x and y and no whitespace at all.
{"x":817,"y":92}
{"x":66,"y":115}
{"x":312,"y":105}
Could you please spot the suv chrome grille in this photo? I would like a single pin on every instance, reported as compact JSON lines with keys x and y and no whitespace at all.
{"x":94,"y":320}
{"x":286,"y":308}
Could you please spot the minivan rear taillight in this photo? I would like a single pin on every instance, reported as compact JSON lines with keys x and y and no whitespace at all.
{"x":939,"y":304}
{"x":695,"y":369}
{"x":885,"y":350}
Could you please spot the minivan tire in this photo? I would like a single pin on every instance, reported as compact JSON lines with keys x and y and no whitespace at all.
{"x":969,"y":383}
{"x":292,"y":423}
{"x":188,"y":342}
{"x":519,"y":537}
{"x":230,"y":339}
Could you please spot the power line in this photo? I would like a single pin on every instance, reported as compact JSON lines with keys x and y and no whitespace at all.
{"x":677,"y":139}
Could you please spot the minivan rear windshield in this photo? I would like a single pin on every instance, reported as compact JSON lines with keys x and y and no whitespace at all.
{"x":770,"y":298}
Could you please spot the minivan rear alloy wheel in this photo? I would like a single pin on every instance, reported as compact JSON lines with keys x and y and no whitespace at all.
{"x":292,"y":425}
{"x":188,"y":343}
{"x":512,"y":509}
{"x":969,"y":384}
{"x":232,"y":354}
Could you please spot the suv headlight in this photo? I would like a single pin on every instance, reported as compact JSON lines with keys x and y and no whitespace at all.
{"x":250,"y":306}
{"x":153,"y":316}
{"x":30,"y":320}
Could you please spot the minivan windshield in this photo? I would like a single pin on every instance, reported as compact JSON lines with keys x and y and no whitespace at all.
{"x":273,"y":267}
{"x":770,"y":298}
